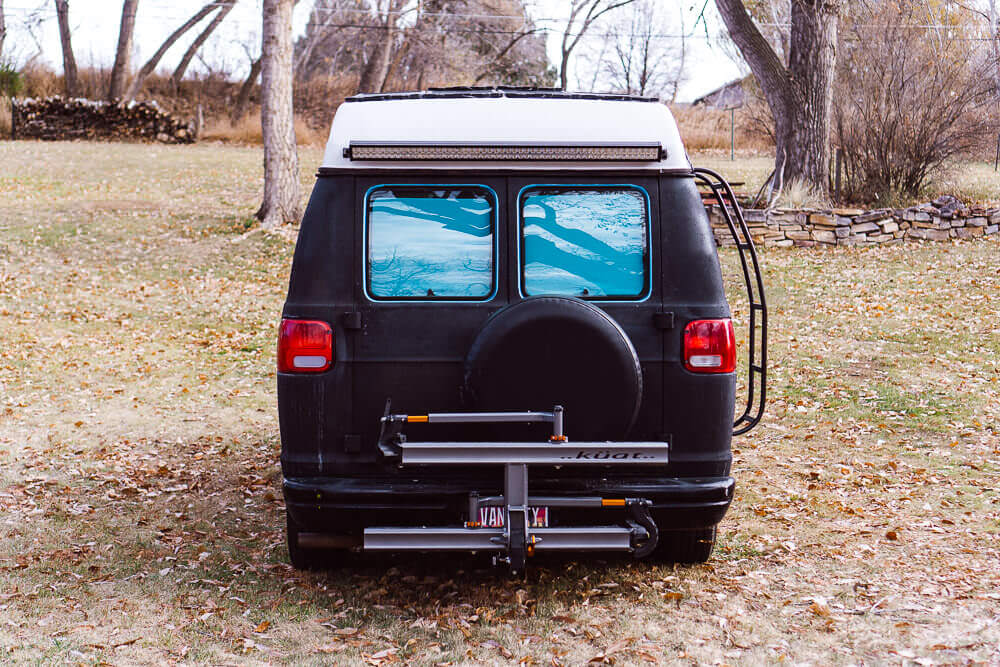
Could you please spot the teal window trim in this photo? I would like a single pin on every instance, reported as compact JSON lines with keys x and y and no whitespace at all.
{"x":647,"y":258}
{"x":494,"y":229}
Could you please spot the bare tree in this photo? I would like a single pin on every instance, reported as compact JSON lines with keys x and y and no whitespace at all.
{"x":322,"y":19}
{"x":488,"y":69}
{"x":582,"y":14}
{"x":376,"y":69}
{"x":642,"y":63}
{"x":151,"y":64}
{"x":70,"y":75}
{"x":242,"y":104}
{"x":994,"y":19}
{"x":123,"y":56}
{"x":225,"y":6}
{"x":3,"y":28}
{"x":281,"y":160}
{"x":799,"y":95}
{"x":905,"y":109}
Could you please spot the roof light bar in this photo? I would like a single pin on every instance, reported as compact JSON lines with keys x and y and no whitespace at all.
{"x":597,"y":152}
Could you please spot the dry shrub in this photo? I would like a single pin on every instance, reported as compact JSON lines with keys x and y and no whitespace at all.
{"x":800,"y":194}
{"x":317,"y":98}
{"x":40,"y":81}
{"x":703,"y":128}
{"x":903,"y":109}
{"x":248,"y":131}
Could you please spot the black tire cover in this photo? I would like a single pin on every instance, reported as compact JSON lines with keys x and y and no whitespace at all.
{"x":546,"y":351}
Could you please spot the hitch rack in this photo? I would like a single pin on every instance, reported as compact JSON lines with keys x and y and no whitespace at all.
{"x":517,"y":540}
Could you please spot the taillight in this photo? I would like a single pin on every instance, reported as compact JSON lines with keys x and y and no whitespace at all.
{"x":304,"y":346}
{"x":710,"y":346}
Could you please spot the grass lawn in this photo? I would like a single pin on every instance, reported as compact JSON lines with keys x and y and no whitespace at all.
{"x":141,"y":517}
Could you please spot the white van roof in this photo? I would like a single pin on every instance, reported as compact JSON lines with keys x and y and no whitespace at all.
{"x":503,"y":128}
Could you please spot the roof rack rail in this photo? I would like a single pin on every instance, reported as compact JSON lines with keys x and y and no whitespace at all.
{"x":497,"y":91}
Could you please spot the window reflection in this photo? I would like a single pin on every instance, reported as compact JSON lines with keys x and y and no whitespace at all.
{"x":430,"y":242}
{"x":584,"y":242}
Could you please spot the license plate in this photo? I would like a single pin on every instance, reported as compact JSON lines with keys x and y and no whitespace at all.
{"x":493,"y":517}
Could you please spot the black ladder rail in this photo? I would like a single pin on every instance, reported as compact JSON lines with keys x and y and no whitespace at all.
{"x":757,"y":374}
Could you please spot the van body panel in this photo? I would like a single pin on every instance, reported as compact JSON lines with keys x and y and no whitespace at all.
{"x":413,"y":352}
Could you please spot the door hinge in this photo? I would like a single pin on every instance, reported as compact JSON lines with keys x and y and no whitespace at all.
{"x":663,"y":320}
{"x":351,"y":320}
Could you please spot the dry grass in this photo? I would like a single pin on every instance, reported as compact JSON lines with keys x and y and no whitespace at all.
{"x":711,"y":129}
{"x":140,"y":505}
{"x":970,"y":178}
{"x":800,"y":194}
{"x":248,"y":131}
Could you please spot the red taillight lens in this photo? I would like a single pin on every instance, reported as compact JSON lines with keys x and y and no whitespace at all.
{"x":304,"y":346}
{"x":710,"y":346}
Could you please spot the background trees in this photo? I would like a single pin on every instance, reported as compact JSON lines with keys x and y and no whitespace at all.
{"x":641,"y":60}
{"x":123,"y":55}
{"x":799,"y":95}
{"x":582,"y":16}
{"x":3,"y":28}
{"x":70,"y":75}
{"x":281,"y":160}
{"x":902,"y":112}
{"x":441,"y":42}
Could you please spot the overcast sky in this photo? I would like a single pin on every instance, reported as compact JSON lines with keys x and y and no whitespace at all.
{"x":95,"y":32}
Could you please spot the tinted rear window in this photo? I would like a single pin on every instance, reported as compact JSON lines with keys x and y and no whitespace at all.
{"x":430,"y":242}
{"x":589,"y":242}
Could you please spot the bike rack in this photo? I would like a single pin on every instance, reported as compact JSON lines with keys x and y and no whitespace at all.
{"x":733,"y":215}
{"x":517,"y":539}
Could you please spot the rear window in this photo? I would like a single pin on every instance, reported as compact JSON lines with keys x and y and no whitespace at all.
{"x":430,"y":242}
{"x":585,"y":241}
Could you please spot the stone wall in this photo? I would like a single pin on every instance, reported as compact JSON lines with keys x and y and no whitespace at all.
{"x":941,"y":220}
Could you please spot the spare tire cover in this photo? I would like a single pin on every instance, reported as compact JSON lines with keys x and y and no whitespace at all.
{"x":546,"y":351}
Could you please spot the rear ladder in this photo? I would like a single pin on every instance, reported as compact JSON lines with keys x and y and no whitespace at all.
{"x":757,"y":349}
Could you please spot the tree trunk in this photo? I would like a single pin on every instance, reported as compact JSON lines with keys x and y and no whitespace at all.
{"x":151,"y":64}
{"x":224,"y":9}
{"x":243,"y":98}
{"x":123,"y":56}
{"x":321,"y":28}
{"x":799,"y":96}
{"x":70,"y":76}
{"x":377,"y":68}
{"x":995,"y":44}
{"x":3,"y":29}
{"x":281,"y":161}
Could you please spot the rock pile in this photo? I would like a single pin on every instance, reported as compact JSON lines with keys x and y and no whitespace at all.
{"x":941,"y":220}
{"x":55,"y":118}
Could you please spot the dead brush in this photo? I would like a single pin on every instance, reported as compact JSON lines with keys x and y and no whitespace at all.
{"x":711,"y":129}
{"x":248,"y":131}
{"x":799,"y":194}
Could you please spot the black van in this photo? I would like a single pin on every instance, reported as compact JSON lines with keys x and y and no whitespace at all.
{"x":506,"y":332}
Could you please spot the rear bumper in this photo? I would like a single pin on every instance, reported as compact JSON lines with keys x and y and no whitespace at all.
{"x":347,"y":505}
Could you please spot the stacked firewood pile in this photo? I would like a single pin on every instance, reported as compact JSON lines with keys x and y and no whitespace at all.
{"x":60,"y":118}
